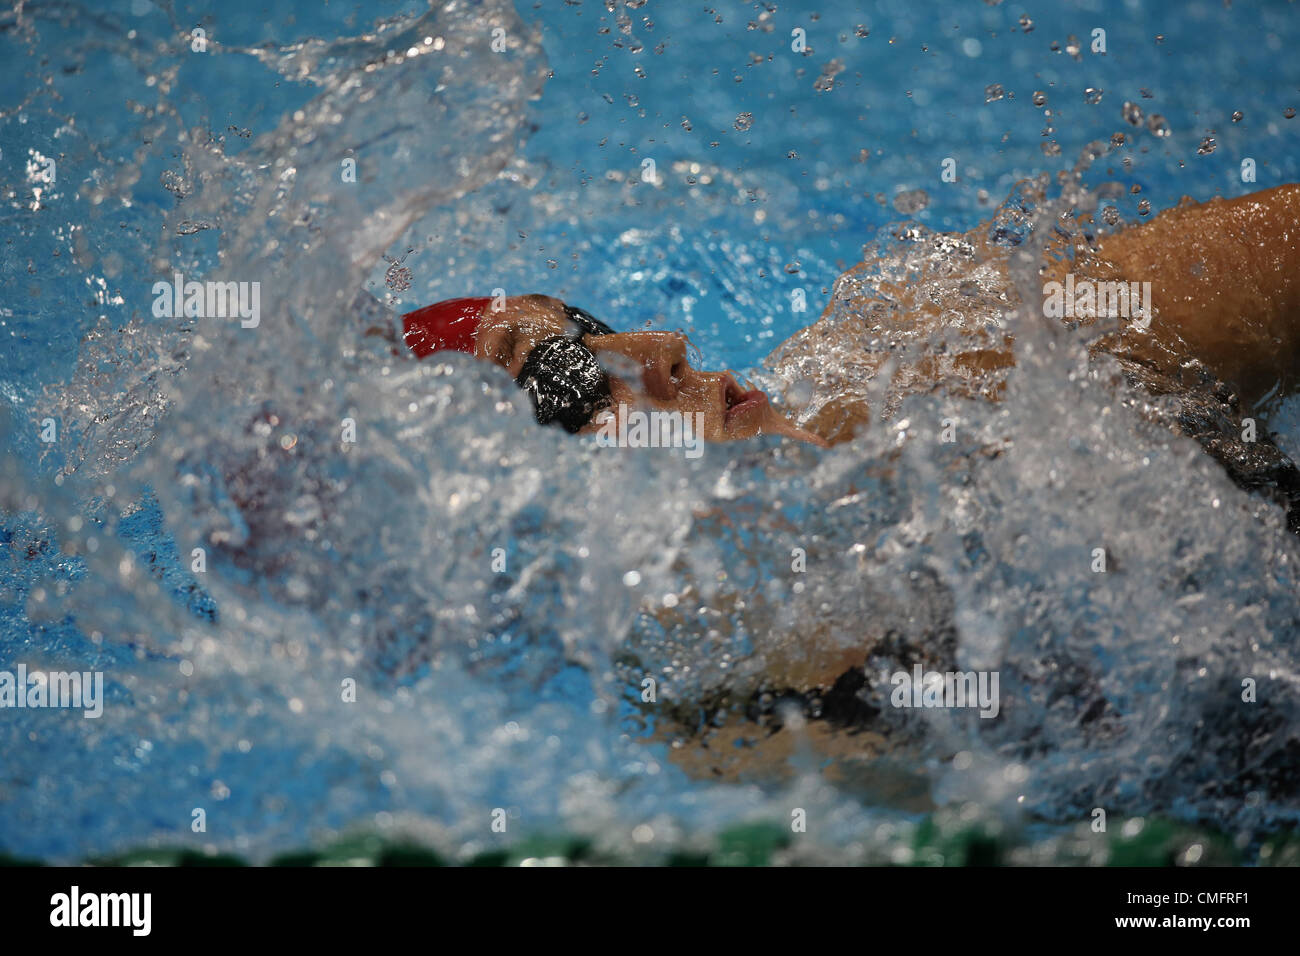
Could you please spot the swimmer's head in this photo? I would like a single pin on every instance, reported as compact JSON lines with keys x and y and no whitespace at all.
{"x":579,"y":371}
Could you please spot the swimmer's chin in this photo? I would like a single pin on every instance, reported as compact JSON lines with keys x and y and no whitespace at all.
{"x":778,"y":424}
{"x":788,"y":429}
{"x":745,"y":427}
{"x":756,"y":417}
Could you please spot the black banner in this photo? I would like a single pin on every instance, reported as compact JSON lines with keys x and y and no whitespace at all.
{"x":306,"y":905}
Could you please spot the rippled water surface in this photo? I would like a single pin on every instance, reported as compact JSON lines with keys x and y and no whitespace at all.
{"x":659,"y":164}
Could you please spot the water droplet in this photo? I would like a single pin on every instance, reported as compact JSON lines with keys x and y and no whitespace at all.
{"x":1072,"y":46}
{"x":1092,"y":95}
{"x":1289,"y":112}
{"x":1026,"y":24}
{"x":1237,"y":116}
{"x":911,"y":201}
{"x":826,"y":81}
{"x":1144,"y":208}
{"x":1116,"y":140}
{"x":1208,"y":145}
{"x":398,"y":277}
{"x":744,"y":121}
{"x":862,"y":32}
{"x":1160,"y":38}
{"x":1156,"y":123}
{"x":1132,"y":113}
{"x":189,"y":227}
{"x":1109,"y":215}
{"x":1052,"y":148}
{"x":993,"y":92}
{"x":1040,"y":98}
{"x":792,"y":267}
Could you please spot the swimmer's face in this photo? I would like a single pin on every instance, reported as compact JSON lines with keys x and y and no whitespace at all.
{"x":647,"y":371}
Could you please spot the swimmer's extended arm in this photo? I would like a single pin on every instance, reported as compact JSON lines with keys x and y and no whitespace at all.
{"x":1225,"y":284}
{"x":1225,"y":287}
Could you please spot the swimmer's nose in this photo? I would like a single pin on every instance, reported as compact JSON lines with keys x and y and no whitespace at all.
{"x":665,"y":365}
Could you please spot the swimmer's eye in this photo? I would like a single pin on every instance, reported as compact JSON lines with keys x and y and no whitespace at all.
{"x":514,"y":351}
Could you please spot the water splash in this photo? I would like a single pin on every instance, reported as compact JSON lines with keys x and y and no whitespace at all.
{"x":328,"y":561}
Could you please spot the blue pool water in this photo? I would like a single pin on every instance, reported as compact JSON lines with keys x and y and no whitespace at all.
{"x":525,"y":170}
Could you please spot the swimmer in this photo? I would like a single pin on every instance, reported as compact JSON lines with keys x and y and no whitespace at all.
{"x":577,"y":370}
{"x":1224,"y":286}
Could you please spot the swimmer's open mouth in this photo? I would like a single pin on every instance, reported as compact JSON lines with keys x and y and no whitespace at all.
{"x":739,"y":402}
